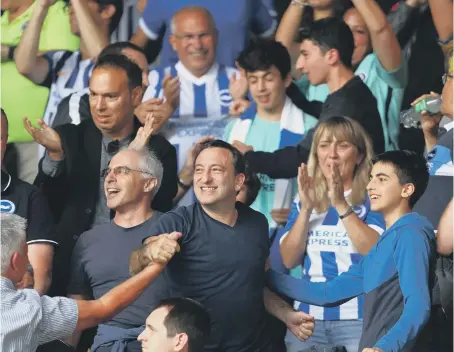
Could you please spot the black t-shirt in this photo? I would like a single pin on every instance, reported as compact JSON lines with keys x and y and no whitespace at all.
{"x":223,"y":268}
{"x":27,"y":201}
{"x":100,"y":261}
{"x":354,"y":100}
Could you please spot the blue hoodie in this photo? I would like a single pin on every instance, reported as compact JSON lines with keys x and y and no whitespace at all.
{"x":395,"y":277}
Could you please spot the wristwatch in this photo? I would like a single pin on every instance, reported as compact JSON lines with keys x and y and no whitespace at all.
{"x":11,"y":50}
{"x":182,"y":184}
{"x":347,"y":213}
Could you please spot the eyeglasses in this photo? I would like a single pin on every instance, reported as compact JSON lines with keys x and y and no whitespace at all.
{"x":191,"y":37}
{"x":121,"y":170}
{"x":445,"y":77}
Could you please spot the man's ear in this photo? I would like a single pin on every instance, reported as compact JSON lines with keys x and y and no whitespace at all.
{"x":332,"y":57}
{"x":288,"y":80}
{"x":136,"y":96}
{"x":150,"y":185}
{"x":408,"y":190}
{"x":239,"y":182}
{"x":173,"y":42}
{"x":181,"y":341}
{"x":14,"y":261}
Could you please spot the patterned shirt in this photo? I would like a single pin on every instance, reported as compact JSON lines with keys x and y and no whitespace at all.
{"x":29,"y":320}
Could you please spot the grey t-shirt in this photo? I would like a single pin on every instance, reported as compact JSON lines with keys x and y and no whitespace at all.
{"x":100,"y":261}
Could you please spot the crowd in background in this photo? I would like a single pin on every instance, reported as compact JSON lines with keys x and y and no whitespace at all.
{"x":249,"y":163}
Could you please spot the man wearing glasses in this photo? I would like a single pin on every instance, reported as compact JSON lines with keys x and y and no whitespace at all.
{"x":204,"y":96}
{"x":76,"y":154}
{"x":130,"y":183}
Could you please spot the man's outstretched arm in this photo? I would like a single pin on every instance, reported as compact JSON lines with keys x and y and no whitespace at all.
{"x":334,"y":292}
{"x":92,"y":313}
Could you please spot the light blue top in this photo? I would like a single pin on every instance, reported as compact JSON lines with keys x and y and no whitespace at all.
{"x":263,"y":136}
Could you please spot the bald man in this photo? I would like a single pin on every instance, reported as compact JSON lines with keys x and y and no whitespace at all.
{"x":204,"y":97}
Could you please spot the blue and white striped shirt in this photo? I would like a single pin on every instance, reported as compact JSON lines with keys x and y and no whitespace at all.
{"x":29,"y":320}
{"x":68,"y":74}
{"x":329,"y":253}
{"x":203,"y":110}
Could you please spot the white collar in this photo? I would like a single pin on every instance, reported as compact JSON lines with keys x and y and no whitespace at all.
{"x":4,"y":173}
{"x":183,"y":71}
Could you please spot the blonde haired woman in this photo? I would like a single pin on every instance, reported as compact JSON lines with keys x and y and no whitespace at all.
{"x":331,"y":227}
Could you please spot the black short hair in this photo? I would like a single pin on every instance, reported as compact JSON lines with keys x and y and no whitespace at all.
{"x":253,"y":185}
{"x":133,"y":72}
{"x":189,"y":317}
{"x":410,"y":167}
{"x":261,"y":54}
{"x":118,"y":47}
{"x":332,"y":33}
{"x":237,"y":157}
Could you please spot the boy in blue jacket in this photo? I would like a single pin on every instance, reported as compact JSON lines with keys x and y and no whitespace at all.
{"x":395,"y":276}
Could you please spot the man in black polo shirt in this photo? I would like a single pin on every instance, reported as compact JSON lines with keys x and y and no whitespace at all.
{"x":224,"y":248}
{"x":25,"y":200}
{"x":328,"y":50}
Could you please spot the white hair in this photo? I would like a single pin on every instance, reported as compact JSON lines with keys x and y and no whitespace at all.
{"x":12,"y":237}
{"x":151,"y":166}
{"x":173,"y":24}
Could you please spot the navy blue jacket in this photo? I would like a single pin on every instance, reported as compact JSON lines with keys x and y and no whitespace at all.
{"x":395,"y":278}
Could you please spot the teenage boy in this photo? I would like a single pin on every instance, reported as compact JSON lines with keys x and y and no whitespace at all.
{"x":271,"y":122}
{"x":395,"y":275}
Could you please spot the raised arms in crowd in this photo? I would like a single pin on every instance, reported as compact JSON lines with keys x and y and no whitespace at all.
{"x":93,"y":38}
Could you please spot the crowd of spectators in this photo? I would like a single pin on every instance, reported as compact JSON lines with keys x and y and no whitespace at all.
{"x":226,"y":176}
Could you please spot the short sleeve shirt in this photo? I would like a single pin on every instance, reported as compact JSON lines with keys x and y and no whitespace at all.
{"x":27,"y":201}
{"x":100,"y":262}
{"x":29,"y":320}
{"x":223,"y":268}
{"x":234,"y":21}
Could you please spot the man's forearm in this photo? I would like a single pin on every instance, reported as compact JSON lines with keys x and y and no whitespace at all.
{"x":52,"y":167}
{"x":288,"y":28}
{"x":5,"y":53}
{"x":139,"y":258}
{"x":283,"y":163}
{"x":275,"y":305}
{"x":384,"y":41}
{"x":42,"y":279}
{"x":443,"y":18}
{"x":26,"y":53}
{"x":93,"y":37}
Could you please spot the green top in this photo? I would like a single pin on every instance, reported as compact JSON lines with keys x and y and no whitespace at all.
{"x":19,"y":96}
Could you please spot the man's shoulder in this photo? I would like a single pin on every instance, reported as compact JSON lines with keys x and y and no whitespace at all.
{"x":357,"y":86}
{"x":23,"y":187}
{"x":96,"y":233}
{"x":252,"y":215}
{"x":81,"y":128}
